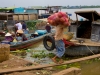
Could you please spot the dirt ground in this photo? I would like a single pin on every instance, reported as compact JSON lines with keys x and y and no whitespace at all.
{"x":16,"y":62}
{"x":33,"y":72}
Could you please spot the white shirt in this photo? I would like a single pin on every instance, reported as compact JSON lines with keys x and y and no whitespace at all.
{"x":19,"y":25}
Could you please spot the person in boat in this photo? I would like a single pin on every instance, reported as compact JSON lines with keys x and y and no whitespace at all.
{"x":60,"y":46}
{"x":4,"y":26}
{"x":35,"y":34}
{"x":8,"y":37}
{"x":14,"y":36}
{"x":20,"y":36}
{"x":18,"y":26}
{"x":48,"y":28}
{"x":24,"y":27}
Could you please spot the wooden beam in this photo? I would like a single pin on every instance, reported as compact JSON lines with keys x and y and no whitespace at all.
{"x":7,"y":17}
{"x":92,"y":17}
{"x":69,"y":71}
{"x":47,"y":65}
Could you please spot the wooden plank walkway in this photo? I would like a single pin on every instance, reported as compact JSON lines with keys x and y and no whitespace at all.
{"x":69,"y":71}
{"x":47,"y":65}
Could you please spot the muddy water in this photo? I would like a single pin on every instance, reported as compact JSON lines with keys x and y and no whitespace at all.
{"x":36,"y":49}
{"x":92,"y":68}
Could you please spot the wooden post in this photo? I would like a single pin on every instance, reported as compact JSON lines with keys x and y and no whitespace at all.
{"x":7,"y":17}
{"x":77,"y":19}
{"x":23,"y":17}
{"x":92,"y":17}
{"x":28,"y":16}
{"x":77,"y":26}
{"x":18,"y":16}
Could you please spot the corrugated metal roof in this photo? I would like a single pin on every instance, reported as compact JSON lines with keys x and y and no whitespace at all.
{"x":38,"y":7}
{"x":10,"y":7}
{"x":89,"y":14}
{"x":44,"y":19}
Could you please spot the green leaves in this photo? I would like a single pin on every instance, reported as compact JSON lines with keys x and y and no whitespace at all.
{"x":32,"y":24}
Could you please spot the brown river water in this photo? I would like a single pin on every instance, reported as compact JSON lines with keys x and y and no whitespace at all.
{"x":87,"y":68}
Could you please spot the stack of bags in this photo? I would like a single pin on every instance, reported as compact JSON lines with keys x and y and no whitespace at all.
{"x":60,"y":18}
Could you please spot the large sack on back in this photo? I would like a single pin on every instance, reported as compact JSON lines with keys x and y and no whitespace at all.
{"x":60,"y":18}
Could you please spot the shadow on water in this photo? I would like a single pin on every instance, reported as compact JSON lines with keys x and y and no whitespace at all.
{"x":37,"y":53}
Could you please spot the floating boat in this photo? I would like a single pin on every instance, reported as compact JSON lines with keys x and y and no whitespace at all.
{"x":31,"y":40}
{"x":86,"y":35}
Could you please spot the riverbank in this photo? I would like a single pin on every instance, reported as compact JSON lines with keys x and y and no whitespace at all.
{"x":18,"y":66}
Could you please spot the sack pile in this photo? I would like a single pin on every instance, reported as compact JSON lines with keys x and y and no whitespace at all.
{"x":60,"y":18}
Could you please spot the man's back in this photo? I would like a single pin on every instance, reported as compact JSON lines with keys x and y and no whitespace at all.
{"x":19,"y":25}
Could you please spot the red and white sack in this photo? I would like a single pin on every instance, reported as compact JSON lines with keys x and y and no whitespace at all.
{"x":60,"y":18}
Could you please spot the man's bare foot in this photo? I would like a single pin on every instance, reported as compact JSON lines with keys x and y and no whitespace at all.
{"x":54,"y":60}
{"x":61,"y":61}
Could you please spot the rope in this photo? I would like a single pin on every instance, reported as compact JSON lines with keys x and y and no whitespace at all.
{"x":90,"y":50}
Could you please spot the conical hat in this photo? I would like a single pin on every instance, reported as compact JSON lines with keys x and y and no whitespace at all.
{"x":8,"y":34}
{"x":36,"y":33}
{"x":20,"y":31}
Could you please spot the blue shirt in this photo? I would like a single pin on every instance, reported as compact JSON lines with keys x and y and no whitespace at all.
{"x":24,"y":26}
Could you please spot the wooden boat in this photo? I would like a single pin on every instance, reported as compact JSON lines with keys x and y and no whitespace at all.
{"x":81,"y":49}
{"x":86,"y":35}
{"x":31,"y":40}
{"x":27,"y":43}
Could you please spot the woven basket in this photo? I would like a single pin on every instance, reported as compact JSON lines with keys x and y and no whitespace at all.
{"x":4,"y":52}
{"x":68,"y":36}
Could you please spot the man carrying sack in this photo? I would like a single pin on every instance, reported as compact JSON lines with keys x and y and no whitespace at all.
{"x":60,"y":20}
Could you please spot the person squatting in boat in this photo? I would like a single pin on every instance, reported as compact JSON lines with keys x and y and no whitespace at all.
{"x":20,"y":36}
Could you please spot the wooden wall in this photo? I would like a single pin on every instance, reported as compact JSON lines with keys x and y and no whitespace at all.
{"x":19,"y":17}
{"x":25,"y":17}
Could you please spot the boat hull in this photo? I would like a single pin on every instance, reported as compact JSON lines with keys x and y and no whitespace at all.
{"x":26,"y":44}
{"x":82,"y":50}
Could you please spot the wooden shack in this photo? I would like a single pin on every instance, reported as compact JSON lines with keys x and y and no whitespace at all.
{"x":88,"y":28}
